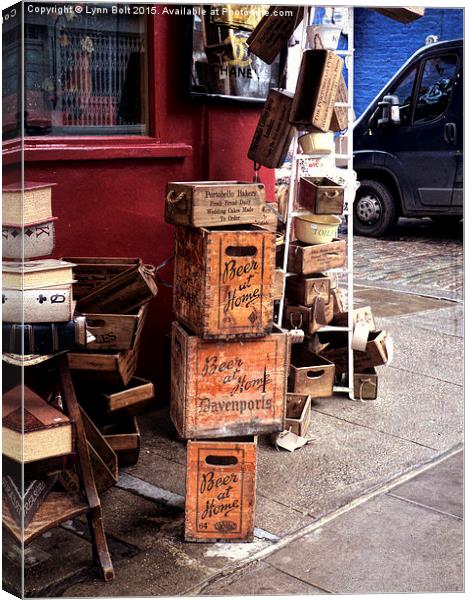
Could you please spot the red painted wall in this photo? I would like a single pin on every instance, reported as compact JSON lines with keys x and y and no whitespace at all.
{"x":115,"y":207}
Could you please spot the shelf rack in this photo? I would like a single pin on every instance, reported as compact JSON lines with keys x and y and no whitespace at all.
{"x":292,"y":211}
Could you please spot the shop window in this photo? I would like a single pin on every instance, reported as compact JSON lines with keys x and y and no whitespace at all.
{"x":404,"y":91}
{"x":437,"y":80}
{"x":85,"y":71}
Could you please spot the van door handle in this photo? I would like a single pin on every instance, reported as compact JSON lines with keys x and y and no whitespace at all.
{"x":450,"y":133}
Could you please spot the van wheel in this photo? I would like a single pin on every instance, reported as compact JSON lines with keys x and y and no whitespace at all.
{"x":375,"y":211}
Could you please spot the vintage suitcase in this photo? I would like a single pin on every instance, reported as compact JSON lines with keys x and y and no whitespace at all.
{"x":124,"y":439}
{"x":316,"y":90}
{"x":272,"y":33}
{"x":309,"y":318}
{"x":220,"y":490}
{"x":31,"y":240}
{"x":304,"y":290}
{"x":366,"y":385}
{"x":115,"y":332}
{"x":41,"y":305}
{"x":113,"y":368}
{"x":321,"y":196}
{"x":123,"y":294}
{"x":214,"y":203}
{"x":310,"y":373}
{"x":307,"y":259}
{"x":339,"y":119}
{"x":403,"y":14}
{"x":95,"y":272}
{"x":298,"y":413}
{"x":228,"y":388}
{"x":43,"y":338}
{"x":273,"y":134}
{"x":223,"y":281}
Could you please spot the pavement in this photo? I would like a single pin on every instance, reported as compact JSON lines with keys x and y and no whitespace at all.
{"x":373,"y":504}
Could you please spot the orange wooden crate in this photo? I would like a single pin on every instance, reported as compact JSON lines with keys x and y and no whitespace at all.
{"x":220,"y":490}
{"x":223,"y":283}
{"x":228,"y":388}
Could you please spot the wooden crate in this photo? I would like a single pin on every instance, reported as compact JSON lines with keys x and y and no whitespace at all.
{"x":362,"y":313}
{"x":272,"y":33}
{"x":304,"y":290}
{"x":220,"y":490}
{"x":273,"y":133}
{"x":298,"y":413}
{"x":307,"y":259}
{"x":310,"y":373}
{"x":339,"y":119}
{"x":316,"y":90}
{"x":124,"y":439}
{"x":321,"y":196}
{"x":131,"y":399}
{"x":278,"y":285}
{"x":223,"y":282}
{"x":213,"y":203}
{"x":95,"y":272}
{"x":113,"y":368}
{"x":309,"y":318}
{"x":366,"y":385}
{"x":228,"y":388}
{"x":115,"y":332}
{"x":403,"y":14}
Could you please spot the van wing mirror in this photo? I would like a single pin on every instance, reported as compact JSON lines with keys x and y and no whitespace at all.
{"x":390,"y":106}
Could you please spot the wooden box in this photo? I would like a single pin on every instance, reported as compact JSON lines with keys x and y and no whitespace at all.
{"x":212,"y":203}
{"x":309,"y":318}
{"x":113,"y":368}
{"x":307,"y":259}
{"x":321,"y":196}
{"x":273,"y":133}
{"x":278,"y":285}
{"x":272,"y":33}
{"x":339,"y":119}
{"x":124,"y":439}
{"x":316,"y":90}
{"x":130,"y":399}
{"x":366,"y":385}
{"x":310,"y":373}
{"x":95,"y":272}
{"x":403,"y":14}
{"x":115,"y":332}
{"x":123,"y":294}
{"x":298,"y":413}
{"x":228,"y":388}
{"x":104,"y":461}
{"x":304,"y":290}
{"x":223,"y":282}
{"x":220,"y":490}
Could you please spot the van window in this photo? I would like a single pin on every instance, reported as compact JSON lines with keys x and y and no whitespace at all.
{"x":404,"y":91}
{"x":438,"y":77}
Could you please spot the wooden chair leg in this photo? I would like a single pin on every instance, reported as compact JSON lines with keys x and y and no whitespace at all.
{"x":101,"y":554}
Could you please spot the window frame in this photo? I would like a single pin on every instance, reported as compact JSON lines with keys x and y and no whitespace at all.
{"x":80,"y":147}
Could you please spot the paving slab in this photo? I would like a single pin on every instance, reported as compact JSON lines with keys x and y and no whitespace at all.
{"x":278,"y":518}
{"x":259,"y":579}
{"x":344,"y":461}
{"x":386,"y":545}
{"x":409,"y":405}
{"x":448,"y":321}
{"x":440,"y":488}
{"x":159,"y":437}
{"x":157,"y":469}
{"x":421,"y":351}
{"x":389,"y":303}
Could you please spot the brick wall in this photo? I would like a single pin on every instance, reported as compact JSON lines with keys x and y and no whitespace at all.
{"x":383,"y":45}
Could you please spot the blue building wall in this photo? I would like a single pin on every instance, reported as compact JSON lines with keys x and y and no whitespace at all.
{"x":382,"y":45}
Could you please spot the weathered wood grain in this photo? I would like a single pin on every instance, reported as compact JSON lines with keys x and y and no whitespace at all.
{"x":303,"y":290}
{"x":310,"y":374}
{"x":298,"y":413}
{"x":306,"y":260}
{"x":115,"y":331}
{"x":124,"y":439}
{"x":272,"y":33}
{"x":321,"y":196}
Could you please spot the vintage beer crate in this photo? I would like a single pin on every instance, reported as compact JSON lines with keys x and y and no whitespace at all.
{"x":272,"y":33}
{"x":366,"y":385}
{"x":223,"y":282}
{"x":310,"y":373}
{"x":339,"y":119}
{"x":228,"y":388}
{"x":113,"y":368}
{"x":316,"y":90}
{"x":95,"y":272}
{"x":307,"y":259}
{"x":214,"y":203}
{"x":123,"y":294}
{"x":115,"y":332}
{"x":298,"y":413}
{"x":220,"y":490}
{"x":304,"y":290}
{"x":273,"y":133}
{"x":124,"y":439}
{"x":403,"y":14}
{"x":309,"y":318}
{"x":321,"y":196}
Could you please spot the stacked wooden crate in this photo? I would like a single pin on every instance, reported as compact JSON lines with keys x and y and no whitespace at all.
{"x":229,"y":366}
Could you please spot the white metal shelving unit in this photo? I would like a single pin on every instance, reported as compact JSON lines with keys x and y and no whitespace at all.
{"x":292,"y":211}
